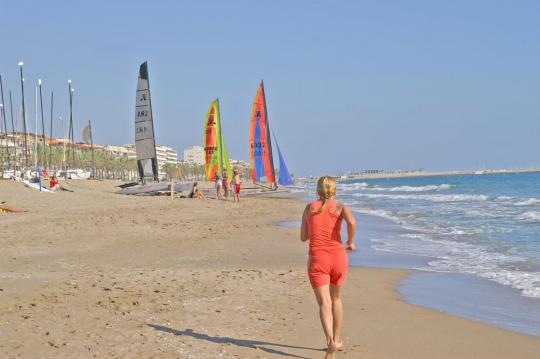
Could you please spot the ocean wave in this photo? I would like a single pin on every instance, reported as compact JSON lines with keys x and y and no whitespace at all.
{"x":426,"y":188}
{"x":352,"y":186}
{"x":427,"y":197}
{"x":528,"y":202}
{"x":531,"y":216}
{"x":451,"y":256}
{"x":377,"y":212}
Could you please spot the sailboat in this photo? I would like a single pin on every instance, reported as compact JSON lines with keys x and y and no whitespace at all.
{"x":261,"y":158}
{"x":145,"y":144}
{"x":216,"y":156}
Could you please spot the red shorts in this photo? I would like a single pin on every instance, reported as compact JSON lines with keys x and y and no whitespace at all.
{"x":237,"y":188}
{"x":328,"y":267}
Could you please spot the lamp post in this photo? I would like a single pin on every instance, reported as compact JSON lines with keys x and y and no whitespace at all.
{"x":21,"y":64}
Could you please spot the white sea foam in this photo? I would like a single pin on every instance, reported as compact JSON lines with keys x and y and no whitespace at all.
{"x":352,"y":186}
{"x":530,"y":216}
{"x":427,"y":197}
{"x":378,"y":213}
{"x":426,"y":188}
{"x":451,"y":256}
{"x":528,"y":202}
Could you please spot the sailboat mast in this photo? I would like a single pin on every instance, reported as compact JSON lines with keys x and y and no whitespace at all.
{"x":268,"y":137}
{"x":92,"y":148}
{"x":14,"y":133}
{"x":156,"y":175}
{"x":44,"y":149}
{"x":3,"y":114}
{"x":70,"y":131}
{"x":36,"y":151}
{"x":24,"y":115}
{"x":220,"y":139}
{"x":50,"y":130}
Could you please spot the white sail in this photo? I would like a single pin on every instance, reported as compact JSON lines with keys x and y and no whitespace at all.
{"x":145,"y":144}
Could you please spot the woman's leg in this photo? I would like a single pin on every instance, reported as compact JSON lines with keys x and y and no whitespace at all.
{"x":324,"y":300}
{"x":337,"y":313}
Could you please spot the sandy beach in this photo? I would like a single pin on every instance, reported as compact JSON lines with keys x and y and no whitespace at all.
{"x":96,"y":274}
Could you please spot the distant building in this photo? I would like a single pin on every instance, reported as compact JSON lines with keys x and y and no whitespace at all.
{"x":194,"y":155}
{"x":126,"y":151}
{"x":166,"y":155}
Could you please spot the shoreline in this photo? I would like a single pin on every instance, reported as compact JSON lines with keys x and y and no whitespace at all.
{"x":437,"y":174}
{"x":458,"y":294}
{"x":95,"y":273}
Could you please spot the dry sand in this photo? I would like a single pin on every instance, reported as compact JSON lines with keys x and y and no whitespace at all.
{"x":95,"y":274}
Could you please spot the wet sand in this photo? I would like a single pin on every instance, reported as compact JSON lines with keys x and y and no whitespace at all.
{"x":95,"y":274}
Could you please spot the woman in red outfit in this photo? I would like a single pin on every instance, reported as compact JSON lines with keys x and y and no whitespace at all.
{"x":328,"y":259}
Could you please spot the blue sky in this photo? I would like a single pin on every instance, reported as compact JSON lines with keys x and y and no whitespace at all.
{"x":349,"y":84}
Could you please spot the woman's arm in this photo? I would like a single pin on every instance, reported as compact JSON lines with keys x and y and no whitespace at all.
{"x":351,"y":227}
{"x":304,"y":230}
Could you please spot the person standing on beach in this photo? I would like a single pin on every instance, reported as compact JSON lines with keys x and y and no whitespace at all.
{"x":219,"y":184}
{"x":226,"y":185}
{"x":237,"y":182}
{"x":328,"y":259}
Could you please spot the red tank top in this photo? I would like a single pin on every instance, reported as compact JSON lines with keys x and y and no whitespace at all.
{"x":324,"y":229}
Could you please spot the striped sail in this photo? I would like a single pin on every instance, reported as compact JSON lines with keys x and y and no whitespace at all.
{"x":262,"y":163}
{"x":145,"y":144}
{"x":215,"y":149}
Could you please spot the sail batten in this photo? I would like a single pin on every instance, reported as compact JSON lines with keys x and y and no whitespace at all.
{"x":145,"y":144}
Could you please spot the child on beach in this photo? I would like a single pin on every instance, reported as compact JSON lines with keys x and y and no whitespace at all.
{"x":328,"y":259}
{"x":237,"y":182}
{"x":219,"y":184}
{"x":226,"y":186}
{"x":54,"y":184}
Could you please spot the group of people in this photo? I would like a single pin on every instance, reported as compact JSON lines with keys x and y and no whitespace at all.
{"x":223,"y":187}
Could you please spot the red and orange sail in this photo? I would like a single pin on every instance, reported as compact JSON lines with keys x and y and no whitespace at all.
{"x":262,"y":163}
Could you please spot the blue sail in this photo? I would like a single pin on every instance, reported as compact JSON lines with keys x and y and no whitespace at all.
{"x":284,"y":175}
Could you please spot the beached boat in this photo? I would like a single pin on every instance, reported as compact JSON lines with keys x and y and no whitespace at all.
{"x":261,"y":157}
{"x":154,"y":188}
{"x":216,"y":156}
{"x":36,"y":186}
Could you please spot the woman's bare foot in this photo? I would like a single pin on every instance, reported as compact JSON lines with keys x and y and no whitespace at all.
{"x":339,"y":344}
{"x":332,"y":347}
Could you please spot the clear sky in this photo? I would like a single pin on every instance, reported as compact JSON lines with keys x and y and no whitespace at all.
{"x":349,"y":84}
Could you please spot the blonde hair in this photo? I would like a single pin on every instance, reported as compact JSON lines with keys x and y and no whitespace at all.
{"x":326,"y":189}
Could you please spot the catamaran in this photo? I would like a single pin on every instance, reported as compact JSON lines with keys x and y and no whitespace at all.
{"x":145,"y":145}
{"x":261,"y":158}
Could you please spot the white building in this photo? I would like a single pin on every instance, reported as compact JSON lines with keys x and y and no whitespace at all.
{"x":126,"y":151}
{"x":195,"y":155}
{"x":166,"y":155}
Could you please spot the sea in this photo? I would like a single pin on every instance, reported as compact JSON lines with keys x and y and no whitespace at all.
{"x":473,"y":239}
